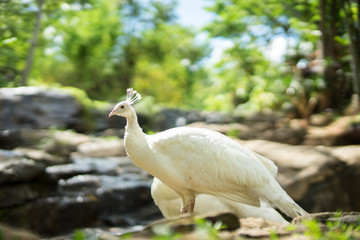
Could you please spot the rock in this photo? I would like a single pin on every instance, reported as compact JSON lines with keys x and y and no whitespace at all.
{"x":110,"y":132}
{"x":350,"y":136}
{"x":320,"y":120}
{"x":81,"y":166}
{"x":323,"y":217}
{"x":54,"y":142}
{"x":10,"y":139}
{"x":289,"y":156}
{"x":324,"y":227}
{"x":258,"y":228}
{"x":103,"y":122}
{"x":233,"y":129}
{"x":8,"y":233}
{"x":41,"y":156}
{"x":343,"y":131}
{"x":6,"y":155}
{"x":63,"y":214}
{"x":109,"y":193}
{"x":283,"y":134}
{"x":20,"y":170}
{"x":253,"y":228}
{"x":313,"y":177}
{"x":15,"y":195}
{"x":349,"y":154}
{"x":185,"y":225}
{"x":352,"y":219}
{"x":102,"y":148}
{"x":38,"y":108}
{"x":218,"y":118}
{"x":69,"y":138}
{"x":169,"y":118}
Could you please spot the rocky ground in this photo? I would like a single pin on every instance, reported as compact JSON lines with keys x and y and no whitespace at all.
{"x":53,"y":182}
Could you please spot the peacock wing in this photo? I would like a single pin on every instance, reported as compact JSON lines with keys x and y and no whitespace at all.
{"x":211,"y":163}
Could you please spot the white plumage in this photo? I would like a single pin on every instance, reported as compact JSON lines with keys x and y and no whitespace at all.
{"x":192,"y":161}
{"x":169,"y":204}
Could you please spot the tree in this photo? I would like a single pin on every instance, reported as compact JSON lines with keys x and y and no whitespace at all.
{"x":259,"y":22}
{"x":30,"y":56}
{"x":15,"y":18}
{"x":20,"y":31}
{"x":110,"y":45}
{"x":351,"y":11}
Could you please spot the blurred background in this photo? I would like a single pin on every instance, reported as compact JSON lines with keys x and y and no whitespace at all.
{"x":213,"y":55}
{"x":281,"y":77}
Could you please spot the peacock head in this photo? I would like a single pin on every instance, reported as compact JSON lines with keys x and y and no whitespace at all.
{"x":124,"y":108}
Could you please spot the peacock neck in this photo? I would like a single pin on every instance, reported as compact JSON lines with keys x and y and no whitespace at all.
{"x":132,"y":125}
{"x":137,"y":146}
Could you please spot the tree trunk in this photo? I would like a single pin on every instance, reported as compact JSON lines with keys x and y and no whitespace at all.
{"x":30,"y":56}
{"x":330,"y":17}
{"x":353,"y":30}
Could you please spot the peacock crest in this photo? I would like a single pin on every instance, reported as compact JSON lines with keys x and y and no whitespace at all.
{"x":132,"y":96}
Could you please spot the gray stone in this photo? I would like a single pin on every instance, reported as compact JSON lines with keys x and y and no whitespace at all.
{"x":52,"y":141}
{"x":349,"y":154}
{"x":312,"y":176}
{"x":257,"y":130}
{"x":220,"y":118}
{"x":323,"y":217}
{"x":61,"y":214}
{"x":14,"y":195}
{"x":103,"y":122}
{"x":102,"y":148}
{"x":10,"y":139}
{"x":20,"y":170}
{"x":82,"y":166}
{"x":14,"y":233}
{"x":38,"y":108}
{"x":41,"y":156}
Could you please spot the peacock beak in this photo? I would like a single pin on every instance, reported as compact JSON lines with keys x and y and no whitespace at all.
{"x":112,"y":113}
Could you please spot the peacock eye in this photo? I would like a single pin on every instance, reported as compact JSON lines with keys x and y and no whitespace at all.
{"x":122,"y":107}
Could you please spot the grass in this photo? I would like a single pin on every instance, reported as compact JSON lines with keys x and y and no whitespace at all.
{"x":334,"y":230}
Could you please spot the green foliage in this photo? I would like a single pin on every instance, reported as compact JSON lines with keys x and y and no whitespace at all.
{"x":233,"y":133}
{"x":331,"y":230}
{"x":147,"y":106}
{"x":13,"y":39}
{"x":79,"y":235}
{"x":78,"y":49}
{"x":89,"y":105}
{"x":105,"y":46}
{"x":172,"y":74}
{"x":253,"y":23}
{"x":207,"y":230}
{"x":273,"y":235}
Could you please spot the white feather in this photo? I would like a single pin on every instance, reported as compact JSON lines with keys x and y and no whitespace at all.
{"x":194,"y":161}
{"x":169,"y":204}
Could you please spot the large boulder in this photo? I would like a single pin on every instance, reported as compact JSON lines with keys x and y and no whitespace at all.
{"x":43,"y":108}
{"x":37,"y":107}
{"x":84,"y":192}
{"x":20,"y":170}
{"x":314,"y":176}
{"x":102,"y":148}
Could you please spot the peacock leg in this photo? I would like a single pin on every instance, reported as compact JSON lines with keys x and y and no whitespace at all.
{"x":187,"y":207}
